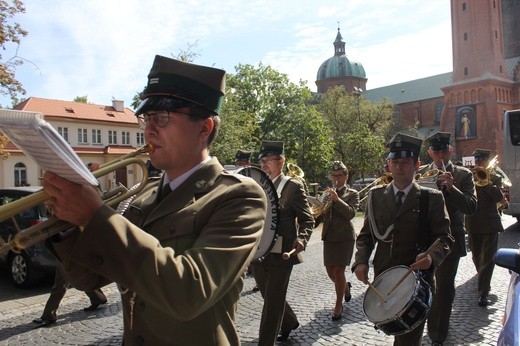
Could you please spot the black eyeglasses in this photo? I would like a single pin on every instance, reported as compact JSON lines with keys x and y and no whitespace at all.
{"x":160,"y":119}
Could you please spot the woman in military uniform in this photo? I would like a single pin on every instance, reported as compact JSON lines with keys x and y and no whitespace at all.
{"x":338,"y":233}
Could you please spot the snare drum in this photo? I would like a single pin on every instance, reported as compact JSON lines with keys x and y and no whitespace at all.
{"x":405,"y":308}
{"x":271,"y":220}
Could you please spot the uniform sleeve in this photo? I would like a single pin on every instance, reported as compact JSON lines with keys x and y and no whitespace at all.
{"x":303,"y":213}
{"x":364,"y":245}
{"x":465,"y":197}
{"x":182,"y":284}
{"x":348,"y":206}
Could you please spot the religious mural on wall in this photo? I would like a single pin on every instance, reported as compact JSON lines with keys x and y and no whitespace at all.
{"x":466,"y":124}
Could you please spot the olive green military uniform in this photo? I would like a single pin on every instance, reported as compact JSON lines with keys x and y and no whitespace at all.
{"x":483,"y":228}
{"x":461,"y":200}
{"x":338,"y":230}
{"x":273,"y":273}
{"x":403,"y":243}
{"x":198,"y":240}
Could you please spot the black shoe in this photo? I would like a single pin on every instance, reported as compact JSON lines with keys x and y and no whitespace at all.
{"x":284,"y":335}
{"x":337,"y":317}
{"x":93,"y":307}
{"x":255,"y":289}
{"x":44,"y":322}
{"x":348,"y":296}
{"x":436,"y":343}
{"x":483,"y":301}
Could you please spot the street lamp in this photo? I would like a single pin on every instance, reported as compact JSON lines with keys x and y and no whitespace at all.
{"x":357,"y":92}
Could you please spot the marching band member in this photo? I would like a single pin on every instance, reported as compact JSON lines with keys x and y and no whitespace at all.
{"x":458,"y":188}
{"x":338,"y":233}
{"x":295,"y":224}
{"x":483,"y":226}
{"x":403,"y":220}
{"x":180,"y":253}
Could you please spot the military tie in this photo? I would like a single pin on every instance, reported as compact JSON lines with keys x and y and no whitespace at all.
{"x":166,"y":189}
{"x":399,"y":195}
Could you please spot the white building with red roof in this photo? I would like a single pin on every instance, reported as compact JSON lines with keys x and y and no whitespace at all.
{"x":97,"y":133}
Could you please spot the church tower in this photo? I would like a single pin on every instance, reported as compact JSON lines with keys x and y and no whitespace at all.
{"x":481,"y":88}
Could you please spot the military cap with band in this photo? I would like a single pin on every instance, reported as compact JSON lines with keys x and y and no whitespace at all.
{"x":243,"y":155}
{"x":439,"y":141}
{"x":336,"y":165}
{"x":171,"y":79}
{"x":402,"y":145}
{"x":481,"y":154}
{"x":271,"y":148}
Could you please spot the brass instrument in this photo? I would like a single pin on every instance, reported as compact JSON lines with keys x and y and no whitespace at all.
{"x":429,"y":178}
{"x":294,"y":171}
{"x":321,"y":204}
{"x":37,"y":233}
{"x":382,"y":180}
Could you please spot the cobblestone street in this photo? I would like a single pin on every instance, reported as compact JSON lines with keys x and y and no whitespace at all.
{"x":311,"y":295}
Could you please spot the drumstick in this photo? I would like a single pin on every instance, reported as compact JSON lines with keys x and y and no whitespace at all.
{"x":377,"y":292}
{"x":287,"y":255}
{"x":435,"y":243}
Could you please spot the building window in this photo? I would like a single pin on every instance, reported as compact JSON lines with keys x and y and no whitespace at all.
{"x":64,"y":132}
{"x":140,"y":138}
{"x":464,"y":6}
{"x":96,"y":136}
{"x":438,"y":112}
{"x":465,"y":36}
{"x":125,"y":138}
{"x":82,"y":136}
{"x":465,"y":71}
{"x":20,"y":174}
{"x":112,"y":137}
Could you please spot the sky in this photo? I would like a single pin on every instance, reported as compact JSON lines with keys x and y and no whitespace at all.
{"x":103,"y":49}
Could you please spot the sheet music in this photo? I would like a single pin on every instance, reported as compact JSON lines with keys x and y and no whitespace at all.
{"x":44,"y":145}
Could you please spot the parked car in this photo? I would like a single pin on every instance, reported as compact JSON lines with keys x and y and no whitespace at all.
{"x":510,"y":333}
{"x":360,"y":184}
{"x":32,"y":264}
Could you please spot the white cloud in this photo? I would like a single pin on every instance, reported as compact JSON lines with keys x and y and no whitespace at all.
{"x":104,"y":49}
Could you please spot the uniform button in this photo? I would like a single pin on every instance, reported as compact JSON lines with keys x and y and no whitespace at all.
{"x":97,"y":260}
{"x":141,"y":306}
{"x":172,"y":230}
{"x":139,"y":340}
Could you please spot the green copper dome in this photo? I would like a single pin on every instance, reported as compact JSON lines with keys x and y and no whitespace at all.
{"x":339,"y":65}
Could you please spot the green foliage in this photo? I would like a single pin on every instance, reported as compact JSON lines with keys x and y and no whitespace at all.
{"x":359,"y":129}
{"x":81,"y":99}
{"x":262,"y":104}
{"x":11,"y":33}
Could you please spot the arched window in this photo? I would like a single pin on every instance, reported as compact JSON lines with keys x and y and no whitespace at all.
{"x":20,"y":174}
{"x":464,"y":6}
{"x":438,"y":112}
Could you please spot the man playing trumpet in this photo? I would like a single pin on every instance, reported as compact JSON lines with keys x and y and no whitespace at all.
{"x":458,"y":189}
{"x":180,"y":253}
{"x":484,"y":226}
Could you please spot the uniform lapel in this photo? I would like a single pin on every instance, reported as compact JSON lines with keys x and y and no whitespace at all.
{"x":198,"y":184}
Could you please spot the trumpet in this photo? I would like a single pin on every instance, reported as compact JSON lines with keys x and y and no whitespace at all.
{"x":385,"y":179}
{"x":37,"y":233}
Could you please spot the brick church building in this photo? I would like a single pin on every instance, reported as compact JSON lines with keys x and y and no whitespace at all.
{"x":469,"y":101}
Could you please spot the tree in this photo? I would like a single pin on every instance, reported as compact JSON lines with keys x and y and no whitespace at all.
{"x":81,"y":99}
{"x":359,"y":130}
{"x":11,"y":33}
{"x":278,"y":109}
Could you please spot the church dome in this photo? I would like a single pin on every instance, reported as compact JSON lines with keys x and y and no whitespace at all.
{"x":339,"y":65}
